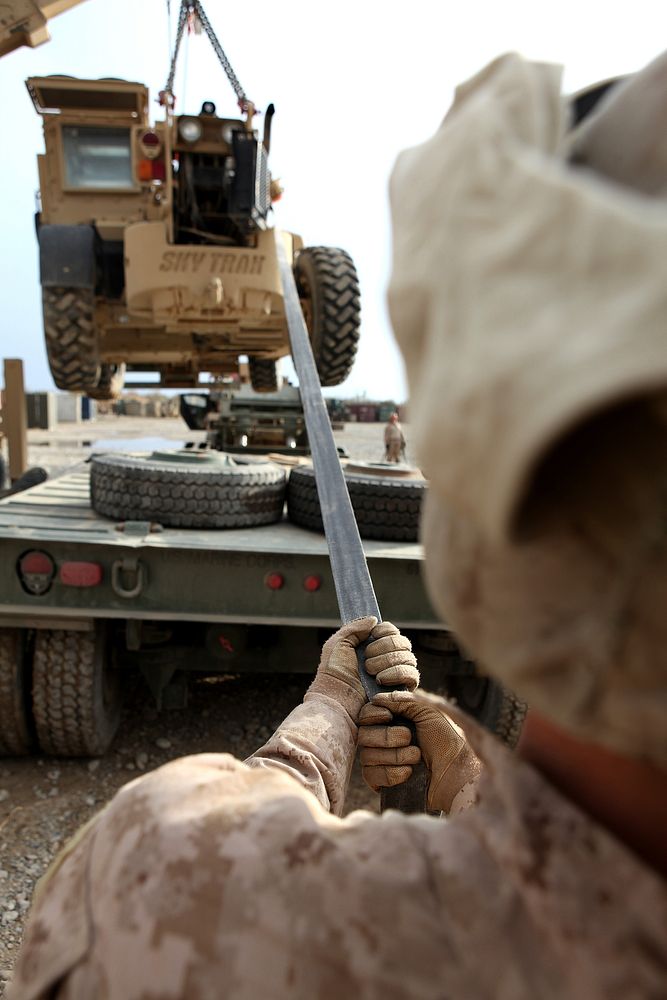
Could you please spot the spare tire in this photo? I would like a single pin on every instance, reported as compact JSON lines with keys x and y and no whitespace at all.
{"x":188,"y":489}
{"x":386,"y":499}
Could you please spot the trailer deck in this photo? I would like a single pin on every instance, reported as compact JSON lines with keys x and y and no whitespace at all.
{"x":276,"y":574}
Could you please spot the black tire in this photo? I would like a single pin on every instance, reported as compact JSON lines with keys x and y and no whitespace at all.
{"x":494,"y":707}
{"x":71,"y":338}
{"x":31,"y":477}
{"x":75,"y":696}
{"x":447,"y":671}
{"x":110,"y":385}
{"x":193,"y":489}
{"x":15,"y":735}
{"x":384,"y":508}
{"x":263,"y":375}
{"x":329,"y":291}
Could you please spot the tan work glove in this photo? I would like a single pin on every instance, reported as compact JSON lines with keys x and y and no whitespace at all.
{"x":389,"y":659}
{"x":387,"y":752}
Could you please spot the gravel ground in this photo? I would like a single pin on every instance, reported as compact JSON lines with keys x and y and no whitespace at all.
{"x":68,"y":444}
{"x":44,"y":800}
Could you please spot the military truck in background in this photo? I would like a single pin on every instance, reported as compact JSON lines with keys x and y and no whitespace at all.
{"x":156,"y":252}
{"x":238,"y":420}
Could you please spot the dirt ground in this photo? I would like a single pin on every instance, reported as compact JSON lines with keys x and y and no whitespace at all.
{"x":69,"y":444}
{"x":43,"y":800}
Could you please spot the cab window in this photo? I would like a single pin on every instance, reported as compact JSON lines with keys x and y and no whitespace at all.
{"x":97,"y":158}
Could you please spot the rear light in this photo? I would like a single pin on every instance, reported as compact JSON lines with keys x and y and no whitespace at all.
{"x":80,"y":574}
{"x":312,"y":583}
{"x":36,"y":570}
{"x":150,"y":142}
{"x":151,"y":170}
{"x":274,"y":581}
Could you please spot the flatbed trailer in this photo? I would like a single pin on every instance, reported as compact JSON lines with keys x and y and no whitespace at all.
{"x":88,"y":597}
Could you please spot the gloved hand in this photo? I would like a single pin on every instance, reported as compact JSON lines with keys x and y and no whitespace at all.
{"x":387,"y":752}
{"x":389,"y":659}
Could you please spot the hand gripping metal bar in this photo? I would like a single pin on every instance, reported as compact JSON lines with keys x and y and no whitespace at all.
{"x":352,"y":579}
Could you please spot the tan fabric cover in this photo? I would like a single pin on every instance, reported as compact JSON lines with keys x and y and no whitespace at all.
{"x":209,"y":879}
{"x":526,"y":296}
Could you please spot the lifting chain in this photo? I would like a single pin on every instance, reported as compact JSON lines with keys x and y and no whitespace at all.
{"x":189,"y":7}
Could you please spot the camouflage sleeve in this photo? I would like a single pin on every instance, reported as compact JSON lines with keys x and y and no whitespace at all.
{"x":315,"y":745}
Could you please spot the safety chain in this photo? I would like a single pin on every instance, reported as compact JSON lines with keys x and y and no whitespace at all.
{"x":195,"y":7}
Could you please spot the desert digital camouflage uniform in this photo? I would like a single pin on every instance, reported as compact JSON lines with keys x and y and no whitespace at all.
{"x":394,"y":441}
{"x":211,"y":878}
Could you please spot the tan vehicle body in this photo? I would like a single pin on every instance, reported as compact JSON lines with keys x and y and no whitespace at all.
{"x":23,"y":22}
{"x":188,"y":304}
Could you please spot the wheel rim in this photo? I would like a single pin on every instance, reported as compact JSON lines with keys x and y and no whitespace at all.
{"x":390,"y":470}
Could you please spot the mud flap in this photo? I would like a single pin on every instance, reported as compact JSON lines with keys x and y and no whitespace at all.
{"x":67,"y":256}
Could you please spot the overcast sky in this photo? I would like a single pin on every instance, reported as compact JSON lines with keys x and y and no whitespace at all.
{"x":353,"y":84}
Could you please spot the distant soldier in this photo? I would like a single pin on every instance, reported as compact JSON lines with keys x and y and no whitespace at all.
{"x":394,"y":442}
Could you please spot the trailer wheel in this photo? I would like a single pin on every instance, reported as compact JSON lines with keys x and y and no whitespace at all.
{"x":110,"y":385}
{"x":75,"y":695}
{"x":263,"y":375}
{"x":494,"y":707}
{"x":188,"y":489}
{"x":329,"y":291}
{"x":386,"y":505}
{"x":15,"y":736}
{"x":447,"y":671}
{"x":71,"y":338}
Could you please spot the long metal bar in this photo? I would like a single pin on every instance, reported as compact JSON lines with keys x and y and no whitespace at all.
{"x":352,"y":579}
{"x":354,"y":587}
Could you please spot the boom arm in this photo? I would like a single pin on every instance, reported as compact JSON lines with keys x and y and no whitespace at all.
{"x":23,"y":22}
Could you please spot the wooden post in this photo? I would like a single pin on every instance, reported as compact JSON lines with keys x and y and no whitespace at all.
{"x":14,"y":419}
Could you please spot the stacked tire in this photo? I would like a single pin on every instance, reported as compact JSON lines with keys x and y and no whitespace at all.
{"x":385,"y":507}
{"x":188,"y":489}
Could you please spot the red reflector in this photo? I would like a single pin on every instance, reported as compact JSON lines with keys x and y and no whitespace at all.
{"x":150,"y":139}
{"x":312,"y":583}
{"x":80,"y":574}
{"x":37,"y":562}
{"x":274,"y":581}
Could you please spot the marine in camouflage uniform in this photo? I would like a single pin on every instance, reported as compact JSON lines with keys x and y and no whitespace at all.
{"x":394,"y":441}
{"x":213,"y":878}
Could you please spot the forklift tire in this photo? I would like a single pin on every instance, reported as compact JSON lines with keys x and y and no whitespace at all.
{"x":328,"y":286}
{"x":263,"y":375}
{"x":110,"y":385}
{"x":71,"y":339}
{"x":384,"y":508}
{"x":15,"y":735}
{"x":188,"y":489}
{"x":75,"y":695}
